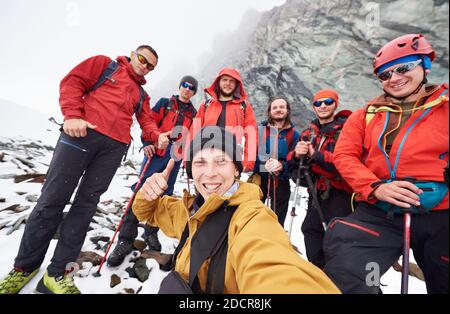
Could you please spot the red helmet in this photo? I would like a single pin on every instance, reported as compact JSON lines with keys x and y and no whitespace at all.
{"x":407,"y":45}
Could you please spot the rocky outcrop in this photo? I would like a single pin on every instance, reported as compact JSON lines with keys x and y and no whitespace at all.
{"x":303,"y":46}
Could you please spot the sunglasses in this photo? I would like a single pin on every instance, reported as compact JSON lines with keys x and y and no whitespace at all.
{"x":401,"y":69}
{"x":189,"y":86}
{"x":327,"y":102}
{"x":144,"y":61}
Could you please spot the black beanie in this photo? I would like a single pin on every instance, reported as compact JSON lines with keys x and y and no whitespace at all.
{"x":214,"y":137}
{"x":190,"y":80}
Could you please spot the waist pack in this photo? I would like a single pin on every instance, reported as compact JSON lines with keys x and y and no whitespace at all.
{"x":433,"y":194}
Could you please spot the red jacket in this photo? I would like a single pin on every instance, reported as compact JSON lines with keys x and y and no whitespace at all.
{"x":110,"y":107}
{"x":424,"y":155}
{"x":324,"y":141}
{"x":240,"y":124}
{"x":165,"y":115}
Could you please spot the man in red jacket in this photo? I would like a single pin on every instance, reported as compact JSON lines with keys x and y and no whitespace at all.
{"x":98,"y":99}
{"x":334,"y":195}
{"x":229,"y":108}
{"x":393,"y":154}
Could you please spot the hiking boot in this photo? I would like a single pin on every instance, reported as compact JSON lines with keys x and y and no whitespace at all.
{"x":122,"y":249}
{"x":15,"y":281}
{"x":153,"y":242}
{"x":57,"y":285}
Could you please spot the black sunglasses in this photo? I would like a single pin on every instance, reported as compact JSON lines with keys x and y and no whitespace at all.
{"x":328,"y":102}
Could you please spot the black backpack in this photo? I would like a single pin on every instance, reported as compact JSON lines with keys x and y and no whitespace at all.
{"x":107,"y":75}
{"x":210,"y":241}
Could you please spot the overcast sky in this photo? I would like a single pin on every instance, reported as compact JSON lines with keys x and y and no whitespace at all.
{"x":40,"y":41}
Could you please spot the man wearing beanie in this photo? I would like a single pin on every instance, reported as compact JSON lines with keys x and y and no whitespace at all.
{"x":228,"y":107}
{"x":172,"y":119}
{"x":316,"y":145}
{"x":230,"y":242}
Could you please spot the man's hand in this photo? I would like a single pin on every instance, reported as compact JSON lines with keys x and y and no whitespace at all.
{"x":149,"y":151}
{"x":77,"y":127}
{"x":274,"y":166}
{"x":163,"y":140}
{"x":399,"y":193}
{"x":156,"y":185}
{"x":302,"y":148}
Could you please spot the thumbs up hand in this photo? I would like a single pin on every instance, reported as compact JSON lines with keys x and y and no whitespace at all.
{"x":156,"y":185}
{"x":163,"y":140}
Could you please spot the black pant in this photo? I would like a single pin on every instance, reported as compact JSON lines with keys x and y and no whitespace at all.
{"x":338,"y":204}
{"x":95,"y":159}
{"x":353,"y":245}
{"x":129,"y":228}
{"x":282,"y":194}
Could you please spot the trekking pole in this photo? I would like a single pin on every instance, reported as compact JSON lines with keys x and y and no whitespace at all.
{"x":268,"y":198}
{"x":274,"y":195}
{"x":406,"y":248}
{"x":130,"y":202}
{"x":315,"y":199}
{"x":297,"y":186}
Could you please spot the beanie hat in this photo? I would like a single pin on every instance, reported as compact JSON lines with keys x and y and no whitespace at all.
{"x":327,"y":93}
{"x":214,"y":137}
{"x":191,"y":80}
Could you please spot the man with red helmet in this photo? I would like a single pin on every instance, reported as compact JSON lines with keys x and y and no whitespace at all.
{"x":392,"y":153}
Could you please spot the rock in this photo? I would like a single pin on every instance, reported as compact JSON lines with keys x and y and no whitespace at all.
{"x":106,"y":203}
{"x":2,"y":200}
{"x":141,"y":270}
{"x":35,"y":178}
{"x":20,"y":209}
{"x":162,"y":259}
{"x":1,"y":157}
{"x":115,"y":280}
{"x":128,"y":291}
{"x":91,"y":257}
{"x":32,"y":198}
{"x":12,"y":207}
{"x":99,"y":239}
{"x":414,"y":270}
{"x":21,"y":193}
{"x":131,"y":272}
{"x":17,"y":223}
{"x":302,"y":46}
{"x":139,"y":245}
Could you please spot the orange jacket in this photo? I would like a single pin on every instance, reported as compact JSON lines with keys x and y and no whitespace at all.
{"x":424,"y":153}
{"x":240,"y":123}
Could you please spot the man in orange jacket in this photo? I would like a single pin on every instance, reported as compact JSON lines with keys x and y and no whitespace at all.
{"x":393,"y":154}
{"x":229,"y":108}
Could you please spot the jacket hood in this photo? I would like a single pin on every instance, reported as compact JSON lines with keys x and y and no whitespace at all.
{"x":239,"y":93}
{"x":125,"y":62}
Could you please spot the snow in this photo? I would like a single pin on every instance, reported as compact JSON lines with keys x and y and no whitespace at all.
{"x":119,"y":191}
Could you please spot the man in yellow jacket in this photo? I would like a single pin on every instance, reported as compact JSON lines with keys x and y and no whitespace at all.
{"x":259,"y":256}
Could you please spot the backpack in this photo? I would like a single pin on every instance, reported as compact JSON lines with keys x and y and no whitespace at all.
{"x":210,"y":241}
{"x":107,"y":76}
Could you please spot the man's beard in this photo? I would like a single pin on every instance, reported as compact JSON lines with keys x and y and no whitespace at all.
{"x":224,"y":94}
{"x":282,"y":119}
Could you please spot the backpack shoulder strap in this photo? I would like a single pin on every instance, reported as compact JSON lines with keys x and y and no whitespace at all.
{"x":207,"y":243}
{"x":140,"y":104}
{"x":290,"y":137}
{"x":244,"y":108}
{"x":106,"y":75}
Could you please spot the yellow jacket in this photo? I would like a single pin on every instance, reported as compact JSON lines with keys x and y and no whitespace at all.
{"x":260,"y":259}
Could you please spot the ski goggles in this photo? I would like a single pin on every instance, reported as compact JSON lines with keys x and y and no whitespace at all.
{"x":327,"y":102}
{"x":144,"y":61}
{"x":401,"y":69}
{"x":188,"y":86}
